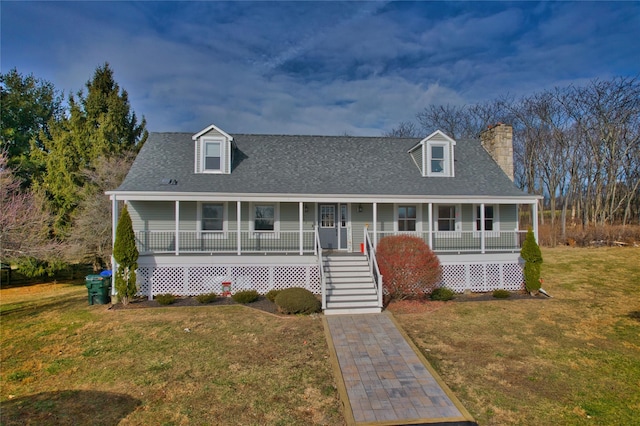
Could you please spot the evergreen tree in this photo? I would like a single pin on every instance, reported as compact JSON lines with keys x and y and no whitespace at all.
{"x":27,"y":106}
{"x":98,"y":125}
{"x":533,"y":260}
{"x":125,"y":254}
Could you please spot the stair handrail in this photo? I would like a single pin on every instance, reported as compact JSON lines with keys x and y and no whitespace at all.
{"x":323,"y":282}
{"x":374,"y":270}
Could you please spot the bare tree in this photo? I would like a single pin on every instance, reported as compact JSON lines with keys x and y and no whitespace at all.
{"x":90,"y":238}
{"x":24,"y":222}
{"x":404,"y":129}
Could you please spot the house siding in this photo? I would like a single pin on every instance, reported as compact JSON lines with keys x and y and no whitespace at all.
{"x":156,"y":216}
{"x":416,"y":155}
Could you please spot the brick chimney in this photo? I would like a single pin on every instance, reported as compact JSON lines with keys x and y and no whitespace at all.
{"x":497,"y":140}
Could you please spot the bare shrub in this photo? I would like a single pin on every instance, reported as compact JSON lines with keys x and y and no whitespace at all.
{"x":409,"y":267}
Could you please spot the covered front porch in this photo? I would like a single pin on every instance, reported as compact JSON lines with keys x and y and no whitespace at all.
{"x":284,"y":227}
{"x":193,"y":245}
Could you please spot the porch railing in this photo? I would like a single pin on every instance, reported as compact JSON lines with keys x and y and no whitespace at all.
{"x":468,"y":241}
{"x":224,"y":242}
{"x":370,"y":251}
{"x":323,"y":281}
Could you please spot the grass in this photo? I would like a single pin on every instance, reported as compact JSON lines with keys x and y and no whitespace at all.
{"x":65,"y":362}
{"x":573,"y":359}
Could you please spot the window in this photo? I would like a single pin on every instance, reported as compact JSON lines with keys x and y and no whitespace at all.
{"x":327,"y":216}
{"x":407,"y":216}
{"x":446,"y":218}
{"x":212,"y":156}
{"x":343,"y":215}
{"x":437,"y":159}
{"x":490,"y":218}
{"x":212,"y":216}
{"x":264,"y":217}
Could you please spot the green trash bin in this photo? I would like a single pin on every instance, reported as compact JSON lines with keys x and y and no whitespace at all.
{"x":98,"y":287}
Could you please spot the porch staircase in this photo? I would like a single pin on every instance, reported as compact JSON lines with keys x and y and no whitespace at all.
{"x":350,"y":286}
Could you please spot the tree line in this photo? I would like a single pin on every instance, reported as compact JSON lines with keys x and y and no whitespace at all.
{"x":578,"y":146}
{"x":57,"y":157}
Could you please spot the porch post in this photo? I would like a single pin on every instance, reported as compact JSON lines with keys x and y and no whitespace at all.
{"x":114,"y":226}
{"x":177,"y":239}
{"x":534,"y":219}
{"x":430,"y":226}
{"x":375,"y":225}
{"x":482,"y":228}
{"x":238,"y":224}
{"x":300,"y":215}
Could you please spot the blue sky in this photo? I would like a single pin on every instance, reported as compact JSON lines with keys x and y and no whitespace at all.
{"x":317,"y":67}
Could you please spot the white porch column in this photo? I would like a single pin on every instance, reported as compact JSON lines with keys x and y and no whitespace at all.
{"x":301,"y":217}
{"x":430,"y":226}
{"x":375,"y":224}
{"x":177,"y":239}
{"x":534,"y":219}
{"x":239,"y":225}
{"x":482,"y":228}
{"x":114,"y":226}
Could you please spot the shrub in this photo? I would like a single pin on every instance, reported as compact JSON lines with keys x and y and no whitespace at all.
{"x":297,"y":300}
{"x":410,"y":269}
{"x":501,"y":294}
{"x":125,"y":254}
{"x":245,"y":296}
{"x":442,"y":294}
{"x":165,"y":299}
{"x":533,"y":259}
{"x":207,"y":298}
{"x":271,"y":295}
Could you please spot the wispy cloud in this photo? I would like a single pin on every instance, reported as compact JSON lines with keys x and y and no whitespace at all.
{"x":317,"y":67}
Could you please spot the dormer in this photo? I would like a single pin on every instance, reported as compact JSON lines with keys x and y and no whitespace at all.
{"x":213,"y":151}
{"x":434,"y":155}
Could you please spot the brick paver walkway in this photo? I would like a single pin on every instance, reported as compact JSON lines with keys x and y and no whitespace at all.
{"x":385,"y":380}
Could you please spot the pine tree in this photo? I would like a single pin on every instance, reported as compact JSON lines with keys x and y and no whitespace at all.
{"x":98,"y":125}
{"x":533,"y":260}
{"x":125,"y":254}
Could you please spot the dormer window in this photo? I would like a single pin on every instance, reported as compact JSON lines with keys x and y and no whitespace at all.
{"x":437,"y":159}
{"x":213,"y":151}
{"x":434,"y":155}
{"x":212,"y":155}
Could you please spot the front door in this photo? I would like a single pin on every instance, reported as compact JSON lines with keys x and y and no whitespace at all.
{"x":328,"y":226}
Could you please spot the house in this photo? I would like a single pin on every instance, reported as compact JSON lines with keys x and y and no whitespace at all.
{"x":275,"y":211}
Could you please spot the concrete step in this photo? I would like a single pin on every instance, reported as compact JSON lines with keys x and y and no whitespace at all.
{"x":352,"y":298}
{"x":352,"y":287}
{"x":346,"y":262}
{"x":345,"y":258}
{"x":340,"y":304}
{"x":352,"y":311}
{"x":347,"y":273}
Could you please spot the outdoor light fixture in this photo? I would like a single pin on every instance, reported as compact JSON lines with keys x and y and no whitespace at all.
{"x":359,"y":208}
{"x":306,"y":208}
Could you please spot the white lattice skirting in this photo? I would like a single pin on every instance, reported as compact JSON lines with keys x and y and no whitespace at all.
{"x":185,"y":276}
{"x":482,"y":277}
{"x":191,"y":280}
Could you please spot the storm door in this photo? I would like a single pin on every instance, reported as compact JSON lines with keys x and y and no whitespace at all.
{"x":343,"y":226}
{"x":328,"y":223}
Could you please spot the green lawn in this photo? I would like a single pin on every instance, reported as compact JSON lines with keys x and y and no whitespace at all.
{"x":573,"y":359}
{"x":64,"y":362}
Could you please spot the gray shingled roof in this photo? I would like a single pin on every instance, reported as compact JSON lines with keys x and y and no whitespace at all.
{"x":307,"y":165}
